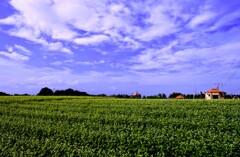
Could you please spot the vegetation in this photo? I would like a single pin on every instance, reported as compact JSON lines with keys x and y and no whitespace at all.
{"x":71,"y":92}
{"x":97,"y":126}
{"x":3,"y":94}
{"x":68,"y":92}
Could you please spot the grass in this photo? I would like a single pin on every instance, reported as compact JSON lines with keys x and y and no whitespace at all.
{"x":90,"y":126}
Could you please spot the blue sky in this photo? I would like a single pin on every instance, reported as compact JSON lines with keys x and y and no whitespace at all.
{"x":111,"y":47}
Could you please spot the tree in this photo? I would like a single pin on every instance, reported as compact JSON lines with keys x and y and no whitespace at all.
{"x":164,"y":96}
{"x":101,"y":95}
{"x":120,"y":96}
{"x":3,"y":94}
{"x":70,"y":92}
{"x":59,"y":92}
{"x":45,"y":92}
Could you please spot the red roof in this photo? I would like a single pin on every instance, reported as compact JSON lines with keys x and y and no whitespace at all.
{"x":180,"y":97}
{"x":137,"y":94}
{"x":214,"y":90}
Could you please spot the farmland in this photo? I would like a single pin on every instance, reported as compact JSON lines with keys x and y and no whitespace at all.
{"x":90,"y":126}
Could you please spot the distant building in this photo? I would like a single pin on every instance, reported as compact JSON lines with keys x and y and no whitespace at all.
{"x":180,"y":97}
{"x":214,"y":94}
{"x":136,"y":95}
{"x":235,"y":97}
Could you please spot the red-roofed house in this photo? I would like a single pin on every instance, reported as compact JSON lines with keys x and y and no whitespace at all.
{"x":214,"y":94}
{"x":180,"y":97}
{"x":136,"y":95}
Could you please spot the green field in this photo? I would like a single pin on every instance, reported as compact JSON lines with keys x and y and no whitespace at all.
{"x":88,"y":126}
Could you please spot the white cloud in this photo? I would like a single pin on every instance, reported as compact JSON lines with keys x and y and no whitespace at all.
{"x":17,"y":53}
{"x":26,"y":33}
{"x":201,"y":18}
{"x":40,"y":16}
{"x":132,"y":43}
{"x":37,"y":19}
{"x":160,"y":25}
{"x":34,"y":36}
{"x":54,"y":19}
{"x":102,"y":52}
{"x":91,"y":63}
{"x":92,"y":40}
{"x":12,"y":20}
{"x":14,"y":56}
{"x":58,"y":46}
{"x":22,"y":49}
{"x":155,"y":32}
{"x":82,"y":14}
{"x":227,"y":19}
{"x":74,"y":20}
{"x":215,"y":59}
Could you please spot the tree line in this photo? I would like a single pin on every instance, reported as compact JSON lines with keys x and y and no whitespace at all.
{"x":71,"y":92}
{"x":68,"y":92}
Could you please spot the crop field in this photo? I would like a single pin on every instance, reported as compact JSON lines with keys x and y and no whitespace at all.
{"x":91,"y":126}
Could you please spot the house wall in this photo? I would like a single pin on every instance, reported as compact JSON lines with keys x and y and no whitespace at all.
{"x":209,"y":96}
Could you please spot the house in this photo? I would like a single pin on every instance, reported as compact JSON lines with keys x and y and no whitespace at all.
{"x":214,"y":93}
{"x":136,"y":95}
{"x":235,"y":97}
{"x":180,"y":97}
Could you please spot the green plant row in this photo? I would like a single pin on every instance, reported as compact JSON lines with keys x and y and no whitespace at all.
{"x":89,"y":126}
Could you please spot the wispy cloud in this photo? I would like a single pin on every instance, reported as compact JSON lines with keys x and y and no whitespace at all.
{"x":201,"y":60}
{"x":59,"y":21}
{"x":14,"y":56}
{"x":91,"y":63}
{"x":17,"y":53}
{"x":22,"y":49}
{"x":34,"y":36}
{"x":201,"y":18}
{"x":227,"y":20}
{"x":92,"y":40}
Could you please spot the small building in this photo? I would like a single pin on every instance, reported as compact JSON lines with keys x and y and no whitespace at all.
{"x":214,"y":94}
{"x":136,"y":95}
{"x":235,"y":97}
{"x":180,"y":97}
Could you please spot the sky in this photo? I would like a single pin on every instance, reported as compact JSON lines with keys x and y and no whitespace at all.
{"x":120,"y":47}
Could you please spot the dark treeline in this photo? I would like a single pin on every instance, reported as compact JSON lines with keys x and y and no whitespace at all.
{"x":71,"y":92}
{"x":120,"y":96}
{"x":187,"y":96}
{"x":158,"y":96}
{"x":4,"y":94}
{"x":68,"y":92}
{"x":201,"y":96}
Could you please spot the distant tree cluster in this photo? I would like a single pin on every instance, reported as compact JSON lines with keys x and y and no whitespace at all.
{"x":45,"y":92}
{"x":158,"y":96}
{"x":101,"y":95}
{"x":68,"y":92}
{"x":3,"y":94}
{"x":187,"y":96}
{"x":120,"y":96}
{"x":174,"y":95}
{"x":230,"y":96}
{"x":22,"y":94}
